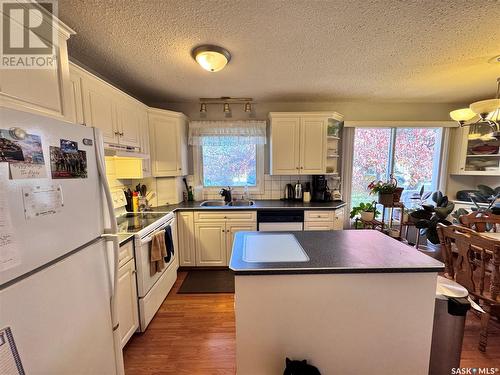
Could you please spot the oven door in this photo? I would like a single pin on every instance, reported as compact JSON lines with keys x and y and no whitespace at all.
{"x":145,"y":280}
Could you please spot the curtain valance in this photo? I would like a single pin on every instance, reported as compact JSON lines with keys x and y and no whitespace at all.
{"x":242,"y":132}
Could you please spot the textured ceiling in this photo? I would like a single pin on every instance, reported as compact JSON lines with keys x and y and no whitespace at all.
{"x":413,"y":50}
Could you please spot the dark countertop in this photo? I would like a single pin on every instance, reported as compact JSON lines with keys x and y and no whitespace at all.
{"x":124,"y":238}
{"x":344,"y":251}
{"x":259,"y":205}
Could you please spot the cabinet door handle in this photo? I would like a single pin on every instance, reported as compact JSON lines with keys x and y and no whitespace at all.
{"x":180,"y":169}
{"x":121,"y":134}
{"x":301,"y":167}
{"x":117,"y":133}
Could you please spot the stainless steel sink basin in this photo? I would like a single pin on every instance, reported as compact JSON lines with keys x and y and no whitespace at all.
{"x":212,"y":203}
{"x":241,"y":203}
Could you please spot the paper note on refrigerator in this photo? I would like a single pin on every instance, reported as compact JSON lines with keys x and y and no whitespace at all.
{"x":9,"y":251}
{"x":26,"y":170}
{"x":42,"y":200}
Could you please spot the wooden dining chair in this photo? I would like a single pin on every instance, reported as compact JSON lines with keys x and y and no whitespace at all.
{"x":473,"y":261}
{"x":479,"y":221}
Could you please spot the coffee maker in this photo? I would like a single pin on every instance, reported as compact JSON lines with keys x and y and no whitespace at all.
{"x":320,"y":191}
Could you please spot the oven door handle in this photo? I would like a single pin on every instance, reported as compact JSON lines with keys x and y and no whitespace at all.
{"x":148,"y":239}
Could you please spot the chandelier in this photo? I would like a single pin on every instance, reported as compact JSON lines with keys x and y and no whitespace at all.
{"x":485,"y":112}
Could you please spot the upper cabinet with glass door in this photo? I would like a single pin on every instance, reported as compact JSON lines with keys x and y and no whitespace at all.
{"x":477,"y":151}
{"x":305,"y":143}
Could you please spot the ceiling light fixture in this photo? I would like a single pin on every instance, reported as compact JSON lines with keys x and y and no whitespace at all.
{"x":226,"y":102}
{"x":211,"y":58}
{"x":482,"y":112}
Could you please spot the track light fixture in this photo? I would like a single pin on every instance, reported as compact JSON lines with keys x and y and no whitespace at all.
{"x":226,"y":102}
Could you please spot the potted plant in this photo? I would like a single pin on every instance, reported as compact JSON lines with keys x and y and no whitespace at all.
{"x":385,"y":191}
{"x":397,"y":193}
{"x":428,"y":218}
{"x":367,"y":211}
{"x":419,"y":200}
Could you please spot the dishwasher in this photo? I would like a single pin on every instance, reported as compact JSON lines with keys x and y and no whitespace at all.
{"x":280,"y":220}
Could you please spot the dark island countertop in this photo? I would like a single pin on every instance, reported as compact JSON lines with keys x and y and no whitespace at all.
{"x":345,"y":251}
{"x":267,"y":204}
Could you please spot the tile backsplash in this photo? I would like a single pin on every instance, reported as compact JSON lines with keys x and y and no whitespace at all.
{"x":273,"y":188}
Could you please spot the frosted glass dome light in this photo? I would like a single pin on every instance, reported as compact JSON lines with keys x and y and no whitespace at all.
{"x":211,"y":58}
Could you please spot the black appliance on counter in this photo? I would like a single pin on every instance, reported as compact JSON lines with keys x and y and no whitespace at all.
{"x":320,"y":190}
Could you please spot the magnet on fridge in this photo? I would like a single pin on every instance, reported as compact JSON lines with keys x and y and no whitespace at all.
{"x":69,"y":147}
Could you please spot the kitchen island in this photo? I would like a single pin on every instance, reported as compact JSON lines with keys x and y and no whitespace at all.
{"x":350,"y":302}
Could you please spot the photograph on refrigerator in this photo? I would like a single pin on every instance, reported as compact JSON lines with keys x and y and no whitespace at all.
{"x":72,"y":164}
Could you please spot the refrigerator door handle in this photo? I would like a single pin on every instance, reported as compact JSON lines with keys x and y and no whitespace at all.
{"x":112,"y":231}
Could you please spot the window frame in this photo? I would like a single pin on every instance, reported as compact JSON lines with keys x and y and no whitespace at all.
{"x":198,"y":173}
{"x":441,"y":169}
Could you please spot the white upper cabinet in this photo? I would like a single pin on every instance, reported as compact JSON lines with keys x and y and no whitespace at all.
{"x":129,"y":122}
{"x":41,"y":91}
{"x":313,"y":145}
{"x":285,"y":138}
{"x":99,"y":109}
{"x":465,"y":159}
{"x":168,"y":141}
{"x":76,"y":98}
{"x":145,"y":147}
{"x":120,"y":117}
{"x":299,"y":142}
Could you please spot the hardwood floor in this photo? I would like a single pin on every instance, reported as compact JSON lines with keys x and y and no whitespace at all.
{"x":190,"y":334}
{"x":195,"y":334}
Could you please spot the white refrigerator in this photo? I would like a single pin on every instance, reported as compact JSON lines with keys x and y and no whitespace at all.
{"x":58,"y":252}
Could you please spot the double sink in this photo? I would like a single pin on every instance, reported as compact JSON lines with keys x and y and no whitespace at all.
{"x":220,"y":203}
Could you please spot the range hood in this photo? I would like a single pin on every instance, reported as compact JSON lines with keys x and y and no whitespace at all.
{"x":123,"y":151}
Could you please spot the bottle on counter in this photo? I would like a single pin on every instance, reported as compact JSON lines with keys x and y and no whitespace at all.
{"x":307,"y":193}
{"x":135,"y":201}
{"x":190,"y":196}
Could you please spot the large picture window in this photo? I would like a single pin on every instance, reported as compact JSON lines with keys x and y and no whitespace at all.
{"x":411,"y":155}
{"x":229,"y":153}
{"x":229,"y":163}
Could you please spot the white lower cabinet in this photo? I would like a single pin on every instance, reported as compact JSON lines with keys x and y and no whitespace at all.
{"x":128,"y":315}
{"x":206,"y":238}
{"x":185,"y":234}
{"x":210,"y":240}
{"x":324,"y":220}
{"x":338,"y":221}
{"x":318,"y":226}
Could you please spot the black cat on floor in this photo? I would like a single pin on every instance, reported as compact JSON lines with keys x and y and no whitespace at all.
{"x":299,"y":368}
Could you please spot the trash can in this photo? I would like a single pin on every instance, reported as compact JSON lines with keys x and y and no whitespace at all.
{"x":450,"y":310}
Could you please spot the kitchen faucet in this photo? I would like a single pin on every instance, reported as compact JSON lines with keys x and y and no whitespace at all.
{"x":226,"y":193}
